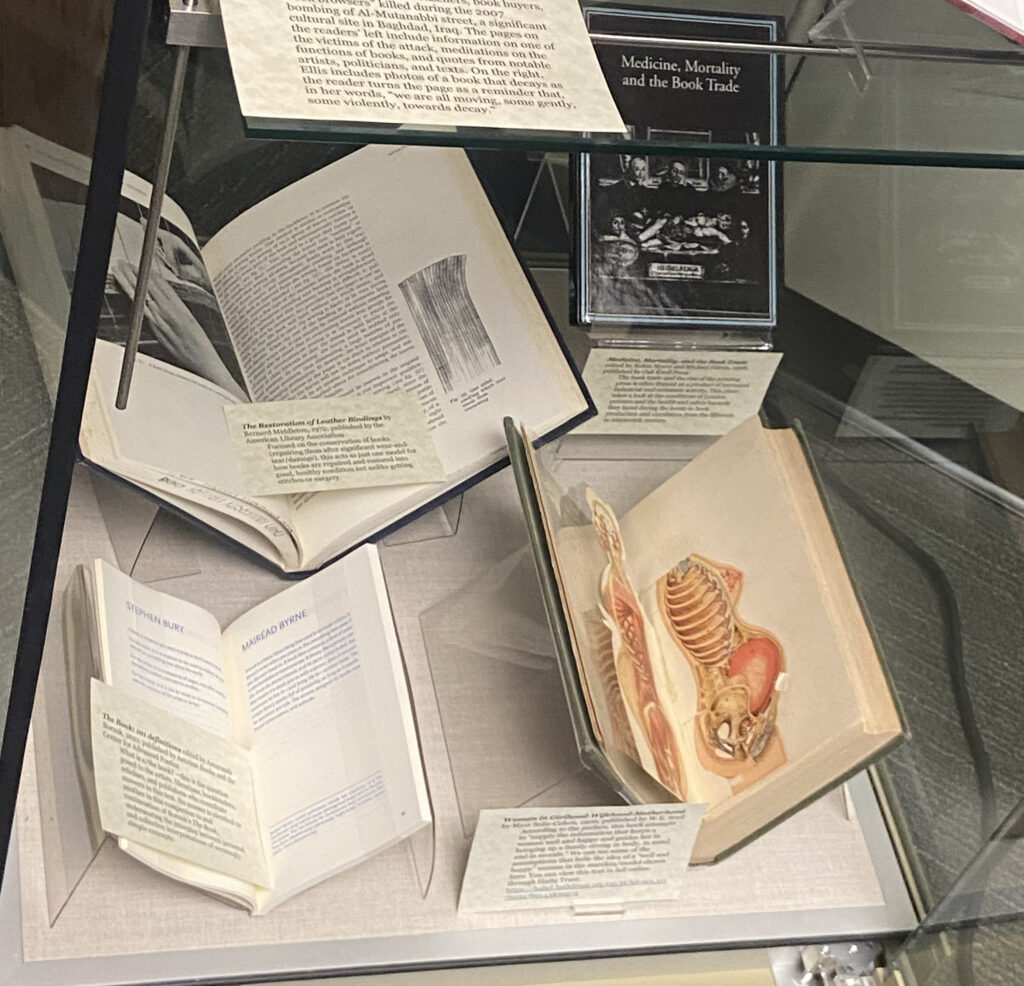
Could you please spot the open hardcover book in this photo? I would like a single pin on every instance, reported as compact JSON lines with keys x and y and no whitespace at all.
{"x":711,"y":644}
{"x":255,"y":762}
{"x":386,"y":272}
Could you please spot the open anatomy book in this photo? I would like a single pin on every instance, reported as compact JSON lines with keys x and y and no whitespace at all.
{"x":385,"y":273}
{"x":710,"y":641}
{"x":255,"y":762}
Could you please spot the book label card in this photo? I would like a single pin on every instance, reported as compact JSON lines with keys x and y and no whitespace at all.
{"x":522,"y":64}
{"x":333,"y":443}
{"x":585,"y":858}
{"x":169,"y":785}
{"x":640,"y":392}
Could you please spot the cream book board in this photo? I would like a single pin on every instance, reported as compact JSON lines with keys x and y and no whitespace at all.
{"x":821,"y":874}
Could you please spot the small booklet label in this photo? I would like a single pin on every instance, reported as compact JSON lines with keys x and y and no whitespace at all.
{"x":333,"y":444}
{"x":580,"y":857}
{"x":644,"y":392}
{"x":165,"y":783}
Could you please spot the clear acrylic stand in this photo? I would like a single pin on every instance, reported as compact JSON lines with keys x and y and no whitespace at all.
{"x":508,"y":736}
{"x":544,"y":228}
{"x":441,"y":522}
{"x":838,"y":15}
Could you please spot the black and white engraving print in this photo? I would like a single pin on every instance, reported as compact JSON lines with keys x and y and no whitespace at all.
{"x":451,"y":328}
{"x":681,"y":238}
{"x":182,"y":324}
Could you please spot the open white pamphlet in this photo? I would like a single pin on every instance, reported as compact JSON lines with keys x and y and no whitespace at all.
{"x":252,"y":763}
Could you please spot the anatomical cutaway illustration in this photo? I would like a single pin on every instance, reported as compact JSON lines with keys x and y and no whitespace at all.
{"x":738,"y":668}
{"x":632,"y":652}
{"x":603,"y":648}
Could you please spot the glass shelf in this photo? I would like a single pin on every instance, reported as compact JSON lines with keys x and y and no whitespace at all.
{"x":913,"y":82}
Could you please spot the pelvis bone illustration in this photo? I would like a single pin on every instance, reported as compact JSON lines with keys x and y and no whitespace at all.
{"x":736,"y":665}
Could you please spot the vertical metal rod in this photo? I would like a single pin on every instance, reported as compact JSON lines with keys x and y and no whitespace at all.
{"x":558,"y":194}
{"x":156,"y":200}
{"x":529,"y":199}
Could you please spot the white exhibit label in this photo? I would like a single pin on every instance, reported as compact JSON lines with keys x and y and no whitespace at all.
{"x":578,"y":857}
{"x":645,"y":392}
{"x":525,"y":64}
{"x":926,"y":401}
{"x":167,"y":784}
{"x":333,"y":443}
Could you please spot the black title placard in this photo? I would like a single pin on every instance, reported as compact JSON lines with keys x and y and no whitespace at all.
{"x":679,"y":238}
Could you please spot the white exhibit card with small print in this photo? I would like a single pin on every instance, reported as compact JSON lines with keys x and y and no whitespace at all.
{"x":585,"y":858}
{"x":926,"y":401}
{"x":655,"y":392}
{"x":199,"y":805}
{"x":522,"y":64}
{"x":333,"y":443}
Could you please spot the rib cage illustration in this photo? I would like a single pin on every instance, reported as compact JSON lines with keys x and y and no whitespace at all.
{"x":448,"y":321}
{"x":736,"y":665}
{"x":699,"y":612}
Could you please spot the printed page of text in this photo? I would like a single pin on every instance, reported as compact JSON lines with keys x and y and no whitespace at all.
{"x":334,"y":750}
{"x":527,"y":64}
{"x":161,"y":649}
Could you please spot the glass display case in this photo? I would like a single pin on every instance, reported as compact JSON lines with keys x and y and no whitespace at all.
{"x":901,"y":167}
